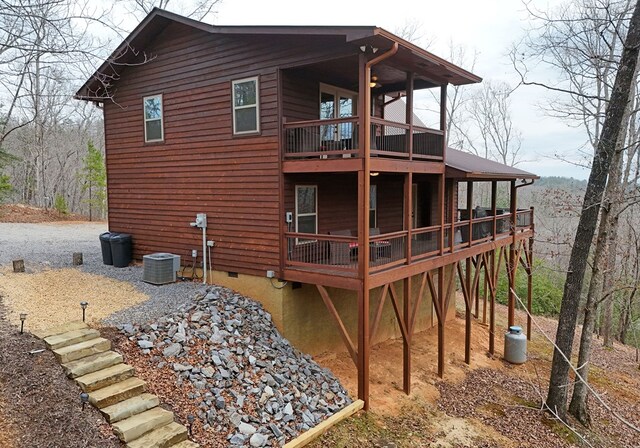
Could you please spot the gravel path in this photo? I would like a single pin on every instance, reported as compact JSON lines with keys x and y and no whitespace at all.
{"x":50,"y":245}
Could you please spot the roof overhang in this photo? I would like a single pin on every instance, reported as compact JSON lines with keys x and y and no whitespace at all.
{"x":463,"y":165}
{"x":430,"y":70}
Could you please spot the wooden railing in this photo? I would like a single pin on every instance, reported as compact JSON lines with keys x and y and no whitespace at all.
{"x":338,"y":138}
{"x":340,"y":253}
{"x":321,"y":138}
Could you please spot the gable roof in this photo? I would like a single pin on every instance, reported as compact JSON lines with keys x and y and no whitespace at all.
{"x":133,"y":46}
{"x":464,"y":165}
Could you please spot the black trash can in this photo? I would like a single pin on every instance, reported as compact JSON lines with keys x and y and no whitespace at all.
{"x":121,"y":249}
{"x":105,"y":244}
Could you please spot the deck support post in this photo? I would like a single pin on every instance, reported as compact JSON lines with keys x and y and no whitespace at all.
{"x":406,"y":341}
{"x":530,"y":278}
{"x":512,"y":257}
{"x":441,"y":322}
{"x":492,"y":314}
{"x":364,"y":346}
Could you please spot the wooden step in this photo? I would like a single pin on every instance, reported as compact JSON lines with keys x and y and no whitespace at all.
{"x":186,"y":444}
{"x":164,"y":437}
{"x":92,"y":363}
{"x":82,"y":350}
{"x":71,"y":337}
{"x":59,"y":329}
{"x":105,"y":377}
{"x":132,"y":406}
{"x":136,"y":426}
{"x":116,"y":393}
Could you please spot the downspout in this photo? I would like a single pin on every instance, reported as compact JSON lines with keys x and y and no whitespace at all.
{"x":364,"y":182}
{"x":366,"y":114}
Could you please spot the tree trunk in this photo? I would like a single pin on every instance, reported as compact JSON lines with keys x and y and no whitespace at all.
{"x":604,"y":247}
{"x":559,"y":379}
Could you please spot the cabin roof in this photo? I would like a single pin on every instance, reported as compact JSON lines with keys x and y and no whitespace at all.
{"x":464,"y":165}
{"x":408,"y":55}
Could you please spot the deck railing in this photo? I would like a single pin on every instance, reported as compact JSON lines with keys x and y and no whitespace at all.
{"x":333,"y":138}
{"x":338,"y":138}
{"x":340,"y":253}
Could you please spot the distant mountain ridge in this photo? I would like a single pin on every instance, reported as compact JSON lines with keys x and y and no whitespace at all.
{"x":561,"y":183}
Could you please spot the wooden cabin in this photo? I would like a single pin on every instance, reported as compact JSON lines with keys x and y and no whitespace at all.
{"x":343,"y":218}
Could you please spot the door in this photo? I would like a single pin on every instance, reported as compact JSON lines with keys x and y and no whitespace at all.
{"x":336,"y":103}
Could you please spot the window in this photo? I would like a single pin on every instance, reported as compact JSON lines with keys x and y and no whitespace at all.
{"x":306,"y":210}
{"x":153,"y":128}
{"x":246,"y":112}
{"x":373,"y":206}
{"x":336,"y":103}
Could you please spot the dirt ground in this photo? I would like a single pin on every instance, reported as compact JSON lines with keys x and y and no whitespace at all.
{"x":20,"y":213}
{"x":488,"y":404}
{"x":39,"y":406}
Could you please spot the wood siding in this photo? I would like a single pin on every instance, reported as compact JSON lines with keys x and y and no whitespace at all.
{"x":337,"y":200}
{"x":155,"y":190}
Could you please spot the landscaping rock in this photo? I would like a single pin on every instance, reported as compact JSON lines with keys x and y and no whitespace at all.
{"x":248,"y":382}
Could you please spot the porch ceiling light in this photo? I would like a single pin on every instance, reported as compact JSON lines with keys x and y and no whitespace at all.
{"x":373,"y":173}
{"x":374,"y":82}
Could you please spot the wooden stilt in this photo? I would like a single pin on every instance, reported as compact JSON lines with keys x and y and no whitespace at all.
{"x":406,"y":346}
{"x":364,"y":347}
{"x":492,"y":313}
{"x":466,"y":287}
{"x":529,"y":285}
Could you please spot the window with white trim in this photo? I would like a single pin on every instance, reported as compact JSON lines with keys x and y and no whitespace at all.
{"x":153,"y":119}
{"x":306,"y":210}
{"x":246,"y":106}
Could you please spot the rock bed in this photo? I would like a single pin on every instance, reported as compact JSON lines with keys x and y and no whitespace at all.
{"x":248,"y":384}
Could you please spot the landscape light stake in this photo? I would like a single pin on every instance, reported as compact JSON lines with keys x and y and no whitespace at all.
{"x":23,"y":317}
{"x":190,"y":419}
{"x":84,"y":307}
{"x":84,"y":399}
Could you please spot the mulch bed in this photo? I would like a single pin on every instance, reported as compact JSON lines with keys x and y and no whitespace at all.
{"x":39,"y":406}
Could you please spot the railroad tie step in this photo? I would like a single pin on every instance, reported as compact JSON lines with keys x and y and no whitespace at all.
{"x":92,"y":363}
{"x":82,"y":350}
{"x":163,"y":437}
{"x":136,"y":426}
{"x":70,"y":338}
{"x":135,"y":415}
{"x":63,"y":328}
{"x":130,"y":407}
{"x":105,"y":377}
{"x":117,"y":392}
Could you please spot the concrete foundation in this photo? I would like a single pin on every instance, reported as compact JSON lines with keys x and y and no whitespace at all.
{"x":302,"y":317}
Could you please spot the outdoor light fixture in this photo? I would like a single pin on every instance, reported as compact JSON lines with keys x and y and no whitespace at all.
{"x":23,"y":317}
{"x":373,"y":173}
{"x":190,"y":419}
{"x":84,"y":399}
{"x":374,"y":82}
{"x":83,"y":305}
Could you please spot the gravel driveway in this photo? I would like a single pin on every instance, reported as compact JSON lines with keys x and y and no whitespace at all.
{"x":51,"y":245}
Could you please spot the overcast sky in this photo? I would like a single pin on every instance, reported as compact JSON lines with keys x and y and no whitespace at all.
{"x":488,"y":27}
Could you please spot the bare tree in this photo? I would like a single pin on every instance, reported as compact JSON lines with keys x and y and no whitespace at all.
{"x":557,"y":397}
{"x":489,"y":130}
{"x":195,"y":9}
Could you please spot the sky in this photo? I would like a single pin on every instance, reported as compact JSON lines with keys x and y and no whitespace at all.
{"x":488,"y":27}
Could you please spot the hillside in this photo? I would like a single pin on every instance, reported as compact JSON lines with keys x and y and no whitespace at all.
{"x":488,"y":404}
